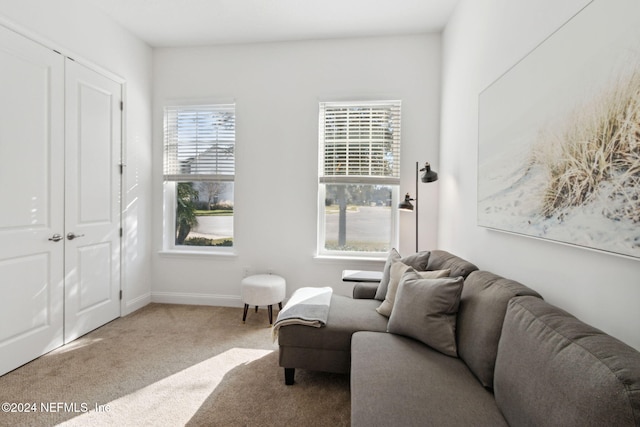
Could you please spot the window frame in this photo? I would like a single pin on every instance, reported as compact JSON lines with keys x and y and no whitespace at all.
{"x":170,"y":183}
{"x":324,"y":180}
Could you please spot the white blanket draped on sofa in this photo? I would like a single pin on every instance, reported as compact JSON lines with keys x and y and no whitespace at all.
{"x":307,"y":306}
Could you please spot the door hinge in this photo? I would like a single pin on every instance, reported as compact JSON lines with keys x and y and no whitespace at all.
{"x":122,"y":165}
{"x":120,"y":294}
{"x":121,"y":106}
{"x":120,"y":231}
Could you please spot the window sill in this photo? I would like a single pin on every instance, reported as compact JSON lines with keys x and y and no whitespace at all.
{"x":334,"y":258}
{"x":180,"y":253}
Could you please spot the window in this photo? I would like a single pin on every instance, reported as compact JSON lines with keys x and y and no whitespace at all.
{"x":359,"y":177}
{"x":199,"y":173}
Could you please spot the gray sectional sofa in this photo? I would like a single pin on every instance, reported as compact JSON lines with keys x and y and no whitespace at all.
{"x":516,"y":360}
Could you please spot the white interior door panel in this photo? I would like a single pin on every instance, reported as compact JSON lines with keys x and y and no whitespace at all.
{"x":92,"y":220}
{"x":31,"y":200}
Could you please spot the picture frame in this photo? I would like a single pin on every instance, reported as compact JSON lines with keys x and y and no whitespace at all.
{"x":559,"y":135}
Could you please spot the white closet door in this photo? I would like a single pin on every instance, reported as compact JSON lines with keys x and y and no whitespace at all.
{"x":92,"y":214}
{"x":31,"y":200}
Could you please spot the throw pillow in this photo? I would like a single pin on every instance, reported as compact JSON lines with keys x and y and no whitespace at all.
{"x":425,"y":309}
{"x":397,"y":270}
{"x":386,"y":274}
{"x":418,"y":261}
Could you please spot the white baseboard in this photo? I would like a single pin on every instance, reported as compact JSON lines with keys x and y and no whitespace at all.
{"x":196,"y":299}
{"x":136,"y":303}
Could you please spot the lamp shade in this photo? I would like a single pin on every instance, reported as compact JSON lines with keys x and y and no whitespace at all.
{"x":406,"y":205}
{"x":429,"y":175}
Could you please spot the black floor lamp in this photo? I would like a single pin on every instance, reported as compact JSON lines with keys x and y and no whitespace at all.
{"x":428,"y":176}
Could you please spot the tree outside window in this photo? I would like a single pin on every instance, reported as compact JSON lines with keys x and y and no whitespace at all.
{"x":358,"y":177}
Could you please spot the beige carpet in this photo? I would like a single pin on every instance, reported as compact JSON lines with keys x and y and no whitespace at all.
{"x":173,"y":365}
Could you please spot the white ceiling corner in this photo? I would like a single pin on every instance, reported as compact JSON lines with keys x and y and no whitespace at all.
{"x":173,"y":23}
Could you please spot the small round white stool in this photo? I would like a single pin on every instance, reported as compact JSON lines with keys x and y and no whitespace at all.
{"x":262,"y":289}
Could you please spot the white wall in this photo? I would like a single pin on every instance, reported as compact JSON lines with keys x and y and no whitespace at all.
{"x":482,"y":40}
{"x":277,"y":87}
{"x":78,"y":30}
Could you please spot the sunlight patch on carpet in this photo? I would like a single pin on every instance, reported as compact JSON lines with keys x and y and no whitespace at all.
{"x":74,"y":345}
{"x":177,"y":397}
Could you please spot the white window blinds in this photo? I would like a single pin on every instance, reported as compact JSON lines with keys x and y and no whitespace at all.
{"x":199,"y":142}
{"x":360,"y":142}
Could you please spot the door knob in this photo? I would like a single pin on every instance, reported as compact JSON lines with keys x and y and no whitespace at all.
{"x":72,"y":235}
{"x":56,"y":238}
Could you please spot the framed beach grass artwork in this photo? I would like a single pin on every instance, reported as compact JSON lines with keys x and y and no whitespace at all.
{"x":559,"y":135}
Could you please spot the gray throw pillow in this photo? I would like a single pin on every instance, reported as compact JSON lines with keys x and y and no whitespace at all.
{"x":425,"y":309}
{"x":397,"y":271}
{"x":418,"y":261}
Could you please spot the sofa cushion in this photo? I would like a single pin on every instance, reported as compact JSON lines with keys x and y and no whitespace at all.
{"x":553,"y":369}
{"x":397,"y":381}
{"x":441,"y":260}
{"x":425,"y":309}
{"x":346,"y":316}
{"x":482,"y":308}
{"x":418,"y":261}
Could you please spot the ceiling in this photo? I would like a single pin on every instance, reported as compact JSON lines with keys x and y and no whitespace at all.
{"x":173,"y":23}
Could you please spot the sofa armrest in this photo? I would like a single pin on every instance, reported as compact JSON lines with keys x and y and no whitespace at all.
{"x":364,"y":290}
